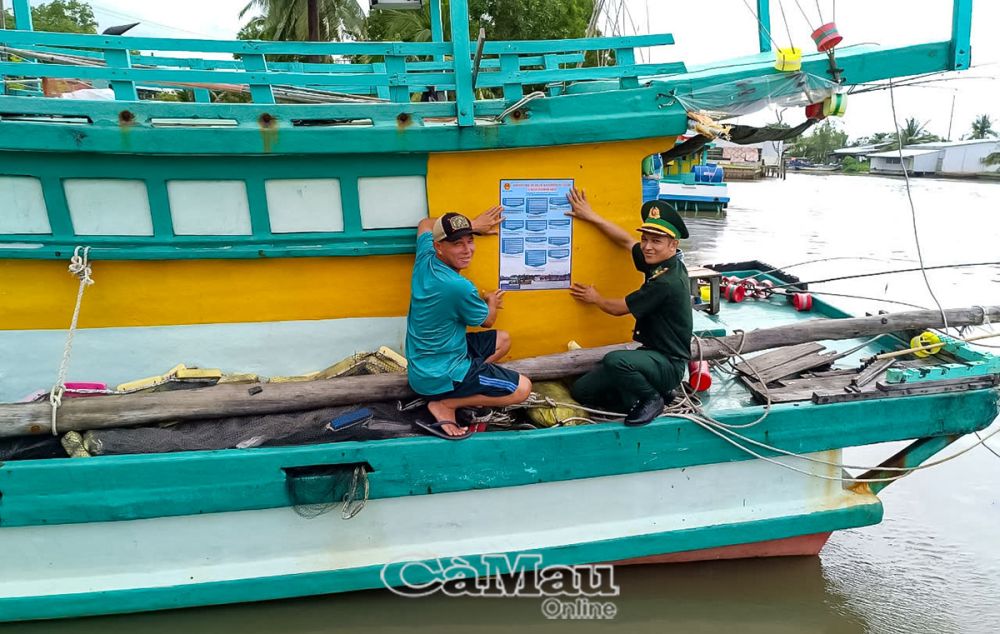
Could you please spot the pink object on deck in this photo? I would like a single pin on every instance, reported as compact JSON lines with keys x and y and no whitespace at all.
{"x":83,"y":385}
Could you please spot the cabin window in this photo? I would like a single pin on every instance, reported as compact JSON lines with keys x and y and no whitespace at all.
{"x":305,"y":205}
{"x":108,"y":207}
{"x":391,"y":202}
{"x":209,"y":208}
{"x":23,"y":206}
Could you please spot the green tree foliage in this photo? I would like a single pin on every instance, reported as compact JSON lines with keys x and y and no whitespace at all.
{"x":502,"y":20}
{"x":875,"y":139}
{"x":852,"y":165}
{"x":62,"y":16}
{"x":982,"y":128}
{"x":288,"y":20}
{"x":912,"y":132}
{"x":820,"y":143}
{"x":992,"y":159}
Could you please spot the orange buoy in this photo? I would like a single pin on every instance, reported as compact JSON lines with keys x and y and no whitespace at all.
{"x":699,"y":378}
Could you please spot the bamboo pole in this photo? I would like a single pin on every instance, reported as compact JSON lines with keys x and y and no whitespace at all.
{"x":24,"y":419}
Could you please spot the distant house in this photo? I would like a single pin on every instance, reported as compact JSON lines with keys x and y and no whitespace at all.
{"x":858,"y":151}
{"x":941,"y":158}
{"x":963,"y":157}
{"x":766,"y":151}
{"x":917,"y":162}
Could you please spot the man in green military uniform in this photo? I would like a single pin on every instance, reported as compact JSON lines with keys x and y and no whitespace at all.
{"x":637,"y":381}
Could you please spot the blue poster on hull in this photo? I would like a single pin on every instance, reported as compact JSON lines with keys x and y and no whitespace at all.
{"x":536,"y":236}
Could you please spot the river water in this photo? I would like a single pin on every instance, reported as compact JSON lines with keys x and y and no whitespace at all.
{"x":933,"y":564}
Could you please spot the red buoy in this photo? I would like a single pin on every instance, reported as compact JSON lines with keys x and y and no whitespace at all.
{"x":735,"y":293}
{"x":802,"y":301}
{"x":815,"y":111}
{"x":826,"y":37}
{"x":699,"y":378}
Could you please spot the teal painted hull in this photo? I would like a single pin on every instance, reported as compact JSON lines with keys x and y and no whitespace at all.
{"x":270,"y":588}
{"x":115,"y":488}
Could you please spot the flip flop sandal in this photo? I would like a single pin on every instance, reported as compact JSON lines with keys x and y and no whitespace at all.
{"x":435,"y":430}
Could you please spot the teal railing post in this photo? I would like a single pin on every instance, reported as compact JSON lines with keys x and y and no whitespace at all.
{"x":437,"y":26}
{"x":260,"y":93}
{"x":552,"y":63}
{"x":464,"y":95}
{"x":22,"y":22}
{"x":22,"y":16}
{"x":382,"y":92}
{"x":626,"y":57}
{"x":3,"y":57}
{"x":961,"y":28}
{"x":764,"y":24}
{"x":510,"y":65}
{"x":124,"y":89}
{"x":395,"y":70}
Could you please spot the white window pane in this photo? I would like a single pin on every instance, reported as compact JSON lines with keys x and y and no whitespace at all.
{"x":22,"y":206}
{"x":107,"y":207}
{"x":304,"y":205}
{"x":392,"y":201}
{"x":209,"y":208}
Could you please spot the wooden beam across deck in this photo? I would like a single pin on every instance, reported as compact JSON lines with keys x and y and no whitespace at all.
{"x":235,"y":400}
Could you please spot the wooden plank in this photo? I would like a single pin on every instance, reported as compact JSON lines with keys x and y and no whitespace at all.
{"x":820,"y":383}
{"x":837,"y":372}
{"x":872,"y":372}
{"x":795,"y":366}
{"x":883,"y":390}
{"x":992,"y":379}
{"x":768,"y":360}
{"x":848,"y":328}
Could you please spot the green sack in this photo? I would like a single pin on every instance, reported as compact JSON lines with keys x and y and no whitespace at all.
{"x":548,"y":416}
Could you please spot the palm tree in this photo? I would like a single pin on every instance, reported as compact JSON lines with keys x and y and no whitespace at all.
{"x":300,"y":20}
{"x":982,"y":128}
{"x":912,"y":132}
{"x":408,"y":26}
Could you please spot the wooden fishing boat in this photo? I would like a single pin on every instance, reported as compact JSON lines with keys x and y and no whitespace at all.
{"x":272,"y":238}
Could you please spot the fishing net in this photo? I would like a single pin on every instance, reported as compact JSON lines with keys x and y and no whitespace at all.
{"x":744,"y":96}
{"x":377,"y":421}
{"x":30,"y":448}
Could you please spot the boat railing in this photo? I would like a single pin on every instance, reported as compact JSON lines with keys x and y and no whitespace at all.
{"x":393,"y":72}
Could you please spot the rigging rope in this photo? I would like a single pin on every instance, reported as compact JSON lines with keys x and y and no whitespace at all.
{"x":79,"y":265}
{"x":913,"y":209}
{"x":805,"y":16}
{"x":760,"y":25}
{"x":878,"y":273}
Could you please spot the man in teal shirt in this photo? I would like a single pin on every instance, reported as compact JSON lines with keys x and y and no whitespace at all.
{"x":448,"y":366}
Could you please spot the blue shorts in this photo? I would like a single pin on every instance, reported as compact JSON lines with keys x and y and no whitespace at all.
{"x":482,"y":379}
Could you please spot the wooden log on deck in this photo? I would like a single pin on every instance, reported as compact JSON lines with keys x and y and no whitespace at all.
{"x":837,"y":329}
{"x":103,"y":412}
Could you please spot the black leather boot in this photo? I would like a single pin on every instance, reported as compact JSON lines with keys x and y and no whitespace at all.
{"x":645,"y":411}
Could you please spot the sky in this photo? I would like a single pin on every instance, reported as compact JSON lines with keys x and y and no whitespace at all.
{"x":713,"y":30}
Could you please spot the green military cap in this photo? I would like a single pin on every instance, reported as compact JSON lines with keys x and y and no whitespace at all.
{"x":660,"y":217}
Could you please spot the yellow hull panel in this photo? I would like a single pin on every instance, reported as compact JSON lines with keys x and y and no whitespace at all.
{"x":37,"y":294}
